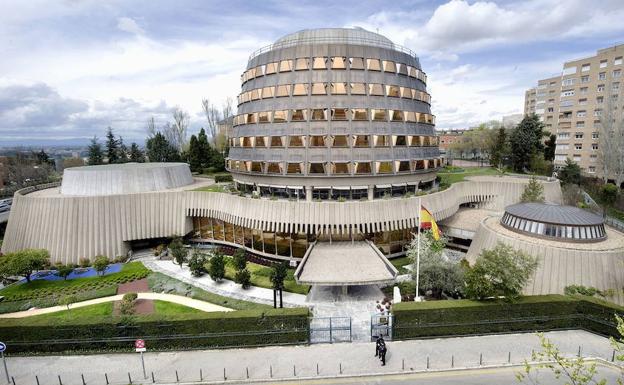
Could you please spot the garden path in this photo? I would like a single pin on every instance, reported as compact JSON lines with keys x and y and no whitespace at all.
{"x":180,"y":300}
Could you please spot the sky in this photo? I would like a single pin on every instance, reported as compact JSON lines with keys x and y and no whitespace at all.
{"x":71,"y":68}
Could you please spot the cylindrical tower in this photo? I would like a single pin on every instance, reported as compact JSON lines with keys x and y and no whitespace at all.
{"x":331,"y":113}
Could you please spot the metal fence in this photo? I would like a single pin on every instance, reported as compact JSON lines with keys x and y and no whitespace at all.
{"x":330,"y":330}
{"x":381,"y":326}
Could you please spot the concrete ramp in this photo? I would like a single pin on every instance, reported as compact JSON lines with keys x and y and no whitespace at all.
{"x":345,"y":264}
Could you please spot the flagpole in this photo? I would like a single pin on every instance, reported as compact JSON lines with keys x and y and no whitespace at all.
{"x":417,"y":298}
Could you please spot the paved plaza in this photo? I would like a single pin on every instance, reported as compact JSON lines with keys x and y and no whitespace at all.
{"x":298,"y":362}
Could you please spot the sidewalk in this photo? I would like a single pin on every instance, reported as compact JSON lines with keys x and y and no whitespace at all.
{"x":179,"y":299}
{"x":347,"y":359}
{"x":225,"y":288}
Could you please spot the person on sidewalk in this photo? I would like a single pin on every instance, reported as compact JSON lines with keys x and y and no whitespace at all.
{"x":382,"y":354}
{"x":380,"y":342}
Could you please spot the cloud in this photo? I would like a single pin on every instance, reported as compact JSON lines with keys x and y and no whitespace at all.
{"x":127,"y":24}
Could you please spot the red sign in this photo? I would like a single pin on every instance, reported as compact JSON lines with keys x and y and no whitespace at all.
{"x":139,"y":344}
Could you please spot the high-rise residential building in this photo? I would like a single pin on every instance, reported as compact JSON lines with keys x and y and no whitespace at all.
{"x":570,"y":105}
{"x":529,"y":101}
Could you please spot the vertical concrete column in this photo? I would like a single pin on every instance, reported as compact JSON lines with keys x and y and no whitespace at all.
{"x":371,"y":192}
{"x":308,"y":190}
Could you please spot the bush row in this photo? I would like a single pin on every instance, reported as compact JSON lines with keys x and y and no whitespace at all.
{"x":184,"y":331}
{"x":48,"y":301}
{"x":528,"y":314}
{"x":223,"y":178}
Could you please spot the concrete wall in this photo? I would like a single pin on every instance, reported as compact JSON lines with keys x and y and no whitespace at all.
{"x":75,"y":227}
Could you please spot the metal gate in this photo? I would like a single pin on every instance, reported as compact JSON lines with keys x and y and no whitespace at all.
{"x":330,"y":330}
{"x":381,"y":325}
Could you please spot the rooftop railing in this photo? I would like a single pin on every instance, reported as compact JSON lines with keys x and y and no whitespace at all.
{"x":334,"y":40}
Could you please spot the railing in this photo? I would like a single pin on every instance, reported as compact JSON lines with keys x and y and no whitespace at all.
{"x":334,"y":40}
{"x":31,"y":189}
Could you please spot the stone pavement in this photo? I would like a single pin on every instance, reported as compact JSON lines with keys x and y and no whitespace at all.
{"x":297,"y":362}
{"x":225,"y":288}
{"x":179,"y":299}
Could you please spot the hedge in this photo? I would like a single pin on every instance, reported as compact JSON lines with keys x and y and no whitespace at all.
{"x":528,"y":314}
{"x":223,"y":178}
{"x":183,"y":331}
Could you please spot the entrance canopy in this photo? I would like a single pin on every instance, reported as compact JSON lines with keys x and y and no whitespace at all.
{"x":344,"y":264}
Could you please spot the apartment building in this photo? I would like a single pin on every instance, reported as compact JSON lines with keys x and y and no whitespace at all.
{"x":571,"y":105}
{"x":529,"y":100}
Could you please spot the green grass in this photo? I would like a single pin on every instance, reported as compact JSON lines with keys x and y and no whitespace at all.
{"x":399,"y":263}
{"x":211,"y":188}
{"x":97,"y":310}
{"x":165,"y":308}
{"x":41,"y":289}
{"x":261,"y":277}
{"x":454,"y":175}
{"x":159,"y":283}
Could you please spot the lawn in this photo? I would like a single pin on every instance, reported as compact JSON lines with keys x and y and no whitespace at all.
{"x":169,"y":308}
{"x":454,"y":175}
{"x":261,"y":277}
{"x":399,"y":263}
{"x":83,"y":288}
{"x":100,"y":309}
{"x":161,"y":283}
{"x":211,"y":188}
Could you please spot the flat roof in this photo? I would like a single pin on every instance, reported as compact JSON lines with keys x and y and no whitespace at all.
{"x":345,"y":263}
{"x":555,"y":214}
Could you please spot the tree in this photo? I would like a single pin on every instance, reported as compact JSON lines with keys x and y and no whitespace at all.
{"x":526,"y":141}
{"x":197,"y":263}
{"x":43,"y":158}
{"x":608,"y":197}
{"x":68,"y":300}
{"x":100,"y":264}
{"x":122,"y":153}
{"x":177,"y":250}
{"x":64,"y":271}
{"x":279,"y":272}
{"x":95,"y":153}
{"x":549,"y":150}
{"x":499,"y":149}
{"x":160,"y":150}
{"x":217,"y":267}
{"x":73,"y":162}
{"x":213,"y":117}
{"x":501,"y":271}
{"x":570,"y":173}
{"x":136,"y":155}
{"x":112,"y":147}
{"x":243,"y":277}
{"x":176,"y":133}
{"x":195,"y":155}
{"x":24,"y":262}
{"x":240,"y":262}
{"x":533,"y":191}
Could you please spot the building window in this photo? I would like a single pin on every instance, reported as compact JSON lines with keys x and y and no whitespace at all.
{"x":339,"y":113}
{"x":339,"y":88}
{"x":600,"y":99}
{"x":602,"y":76}
{"x":594,"y":135}
{"x":563,"y":135}
{"x":300,"y":89}
{"x":402,"y":69}
{"x":264,"y":117}
{"x":360,"y":114}
{"x":582,"y":102}
{"x":358,"y":89}
{"x":578,"y":146}
{"x":583,"y":90}
{"x":268,"y":92}
{"x":302,"y":64}
{"x":379,"y":114}
{"x":581,"y":114}
{"x":274,"y":168}
{"x":296,"y":141}
{"x":603,"y":63}
{"x":617,"y":61}
{"x":601,"y":87}
{"x":340,"y":168}
{"x":396,"y":115}
{"x":594,"y":146}
{"x":286,"y":65}
{"x":317,"y":168}
{"x":384,"y":167}
{"x":373,"y":64}
{"x":276,"y":141}
{"x":319,"y":63}
{"x":375,"y":89}
{"x":568,"y":82}
{"x":282,"y":90}
{"x":319,"y":114}
{"x":597,"y":112}
{"x":617,"y":73}
{"x":261,"y":142}
{"x":363,"y":168}
{"x":578,"y":135}
{"x":615,"y":86}
{"x":580,"y":124}
{"x":356,"y":63}
{"x":279,"y":116}
{"x":361,"y":141}
{"x":585,"y":67}
{"x":567,"y":93}
{"x":338,"y":63}
{"x":389,"y":66}
{"x":317,"y":141}
{"x":299,"y":116}
{"x":319,"y":88}
{"x":585,"y":79}
{"x":340,"y":141}
{"x":393,"y":91}
{"x":271,"y":68}
{"x":591,"y":169}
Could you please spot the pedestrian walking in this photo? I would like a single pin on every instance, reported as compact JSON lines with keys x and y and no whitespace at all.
{"x":382,"y":354}
{"x":380,"y":342}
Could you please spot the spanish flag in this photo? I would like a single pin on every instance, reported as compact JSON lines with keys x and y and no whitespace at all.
{"x":427,"y":222}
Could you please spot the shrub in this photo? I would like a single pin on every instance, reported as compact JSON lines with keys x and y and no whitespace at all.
{"x":209,"y":170}
{"x":84,"y":262}
{"x":243,"y":277}
{"x":178,"y":252}
{"x":100,"y":264}
{"x":196,"y":263}
{"x":217,"y":267}
{"x":239,"y":259}
{"x":64,"y":271}
{"x":223,"y":178}
{"x":130,"y":297}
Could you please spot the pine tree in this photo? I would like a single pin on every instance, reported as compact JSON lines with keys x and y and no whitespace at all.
{"x":549,"y":150}
{"x":526,"y":141}
{"x":136,"y":155}
{"x":533,"y":192}
{"x":96,"y":156}
{"x":112,"y":147}
{"x":500,"y":149}
{"x":194,"y":155}
{"x":204,"y":148}
{"x":122,"y":152}
{"x":160,"y":150}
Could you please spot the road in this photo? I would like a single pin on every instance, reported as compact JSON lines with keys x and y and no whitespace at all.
{"x":489,"y":376}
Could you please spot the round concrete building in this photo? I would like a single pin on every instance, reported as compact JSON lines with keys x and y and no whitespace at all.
{"x":333,"y":113}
